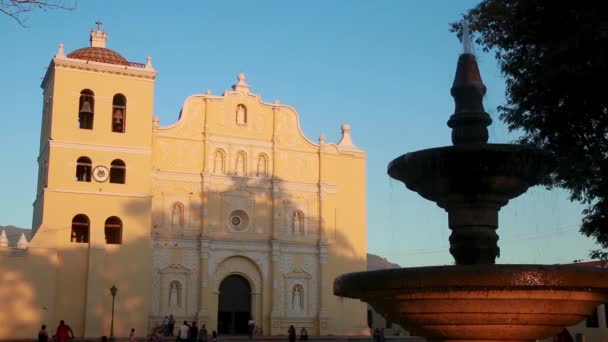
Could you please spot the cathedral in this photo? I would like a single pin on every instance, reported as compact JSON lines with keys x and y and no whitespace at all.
{"x":228,"y":214}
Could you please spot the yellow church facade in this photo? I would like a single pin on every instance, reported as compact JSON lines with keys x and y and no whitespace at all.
{"x":230,"y":213}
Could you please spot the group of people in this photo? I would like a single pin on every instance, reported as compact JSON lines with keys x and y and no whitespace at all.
{"x":186,"y":332}
{"x":64,"y":333}
{"x":291,"y":332}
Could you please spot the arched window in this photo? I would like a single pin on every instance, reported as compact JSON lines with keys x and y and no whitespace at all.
{"x":298,"y":222}
{"x":240,"y":166}
{"x":113,"y":231}
{"x":262,"y":166}
{"x":177,"y":215}
{"x":118,"y":171}
{"x":80,"y":229}
{"x":86,"y":109}
{"x":119,"y":113}
{"x":83,"y":169}
{"x":241,"y":114}
{"x":175,"y":294}
{"x":218,"y":161}
{"x":297,"y":298}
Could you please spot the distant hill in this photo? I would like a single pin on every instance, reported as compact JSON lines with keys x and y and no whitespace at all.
{"x":13,"y":233}
{"x":375,"y":262}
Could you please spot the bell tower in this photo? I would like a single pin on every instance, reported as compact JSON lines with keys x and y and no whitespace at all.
{"x":93,"y":200}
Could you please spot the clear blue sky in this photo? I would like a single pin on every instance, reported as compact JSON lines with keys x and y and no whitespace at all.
{"x":385,"y":67}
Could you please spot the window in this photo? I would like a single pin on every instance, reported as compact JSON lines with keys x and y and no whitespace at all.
{"x":80,"y":229}
{"x":113,"y":231}
{"x":298,"y":222}
{"x":241,"y":114}
{"x":218,"y":161}
{"x":370,"y":318}
{"x":118,"y":171}
{"x":119,"y":113}
{"x":83,"y":169}
{"x":86,"y":109}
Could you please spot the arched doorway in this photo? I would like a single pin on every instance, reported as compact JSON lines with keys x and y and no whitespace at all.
{"x":234,"y":307}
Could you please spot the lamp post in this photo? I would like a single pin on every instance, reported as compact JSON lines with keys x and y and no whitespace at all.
{"x":113,"y":291}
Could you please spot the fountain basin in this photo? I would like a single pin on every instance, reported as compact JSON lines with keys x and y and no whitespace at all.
{"x":472,"y":171}
{"x":481,"y":302}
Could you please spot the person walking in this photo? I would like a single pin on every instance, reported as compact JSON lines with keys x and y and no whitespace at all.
{"x":193,"y":332}
{"x":251,"y":327}
{"x":64,"y":332}
{"x":165,"y":326}
{"x":292,"y":333}
{"x":202,"y":335}
{"x":184,"y":331}
{"x":303,"y":334}
{"x":214,"y":337}
{"x":171,"y":324}
{"x":132,"y":335}
{"x":43,"y":335}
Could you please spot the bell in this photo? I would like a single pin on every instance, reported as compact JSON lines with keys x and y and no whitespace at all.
{"x":86,"y":107}
{"x":117,"y":116}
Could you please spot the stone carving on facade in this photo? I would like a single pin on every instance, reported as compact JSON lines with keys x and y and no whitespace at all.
{"x":241,"y":114}
{"x":177,"y":215}
{"x":242,"y":266}
{"x":218,"y":256}
{"x":174,"y":289}
{"x":175,"y":294}
{"x":262,"y":167}
{"x":219,"y":162}
{"x":240,"y":165}
{"x":234,"y":201}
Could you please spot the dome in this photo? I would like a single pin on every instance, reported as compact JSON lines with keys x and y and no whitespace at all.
{"x":99,"y":54}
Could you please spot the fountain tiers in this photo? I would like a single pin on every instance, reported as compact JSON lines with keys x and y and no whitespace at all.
{"x":476,"y":300}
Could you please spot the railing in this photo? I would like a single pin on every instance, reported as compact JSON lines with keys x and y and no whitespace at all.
{"x":137,"y":65}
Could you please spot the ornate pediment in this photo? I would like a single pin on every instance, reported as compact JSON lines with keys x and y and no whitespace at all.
{"x":174,"y":268}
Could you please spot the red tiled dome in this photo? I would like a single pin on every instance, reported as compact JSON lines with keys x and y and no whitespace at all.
{"x":99,"y":54}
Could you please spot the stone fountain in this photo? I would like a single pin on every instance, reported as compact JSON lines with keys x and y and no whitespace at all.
{"x":476,"y":299}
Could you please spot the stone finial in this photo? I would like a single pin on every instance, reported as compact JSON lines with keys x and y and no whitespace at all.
{"x":98,"y":37}
{"x":322,"y":139}
{"x":22,"y":243}
{"x":3,"y":239}
{"x":346,"y":142}
{"x":208,"y":92}
{"x":470,"y":121}
{"x":149,"y":63}
{"x":276,"y":102}
{"x":155,"y":121}
{"x":60,"y":51}
{"x":241,"y":85}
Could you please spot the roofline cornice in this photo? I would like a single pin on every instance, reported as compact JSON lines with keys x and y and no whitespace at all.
{"x":124,"y":70}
